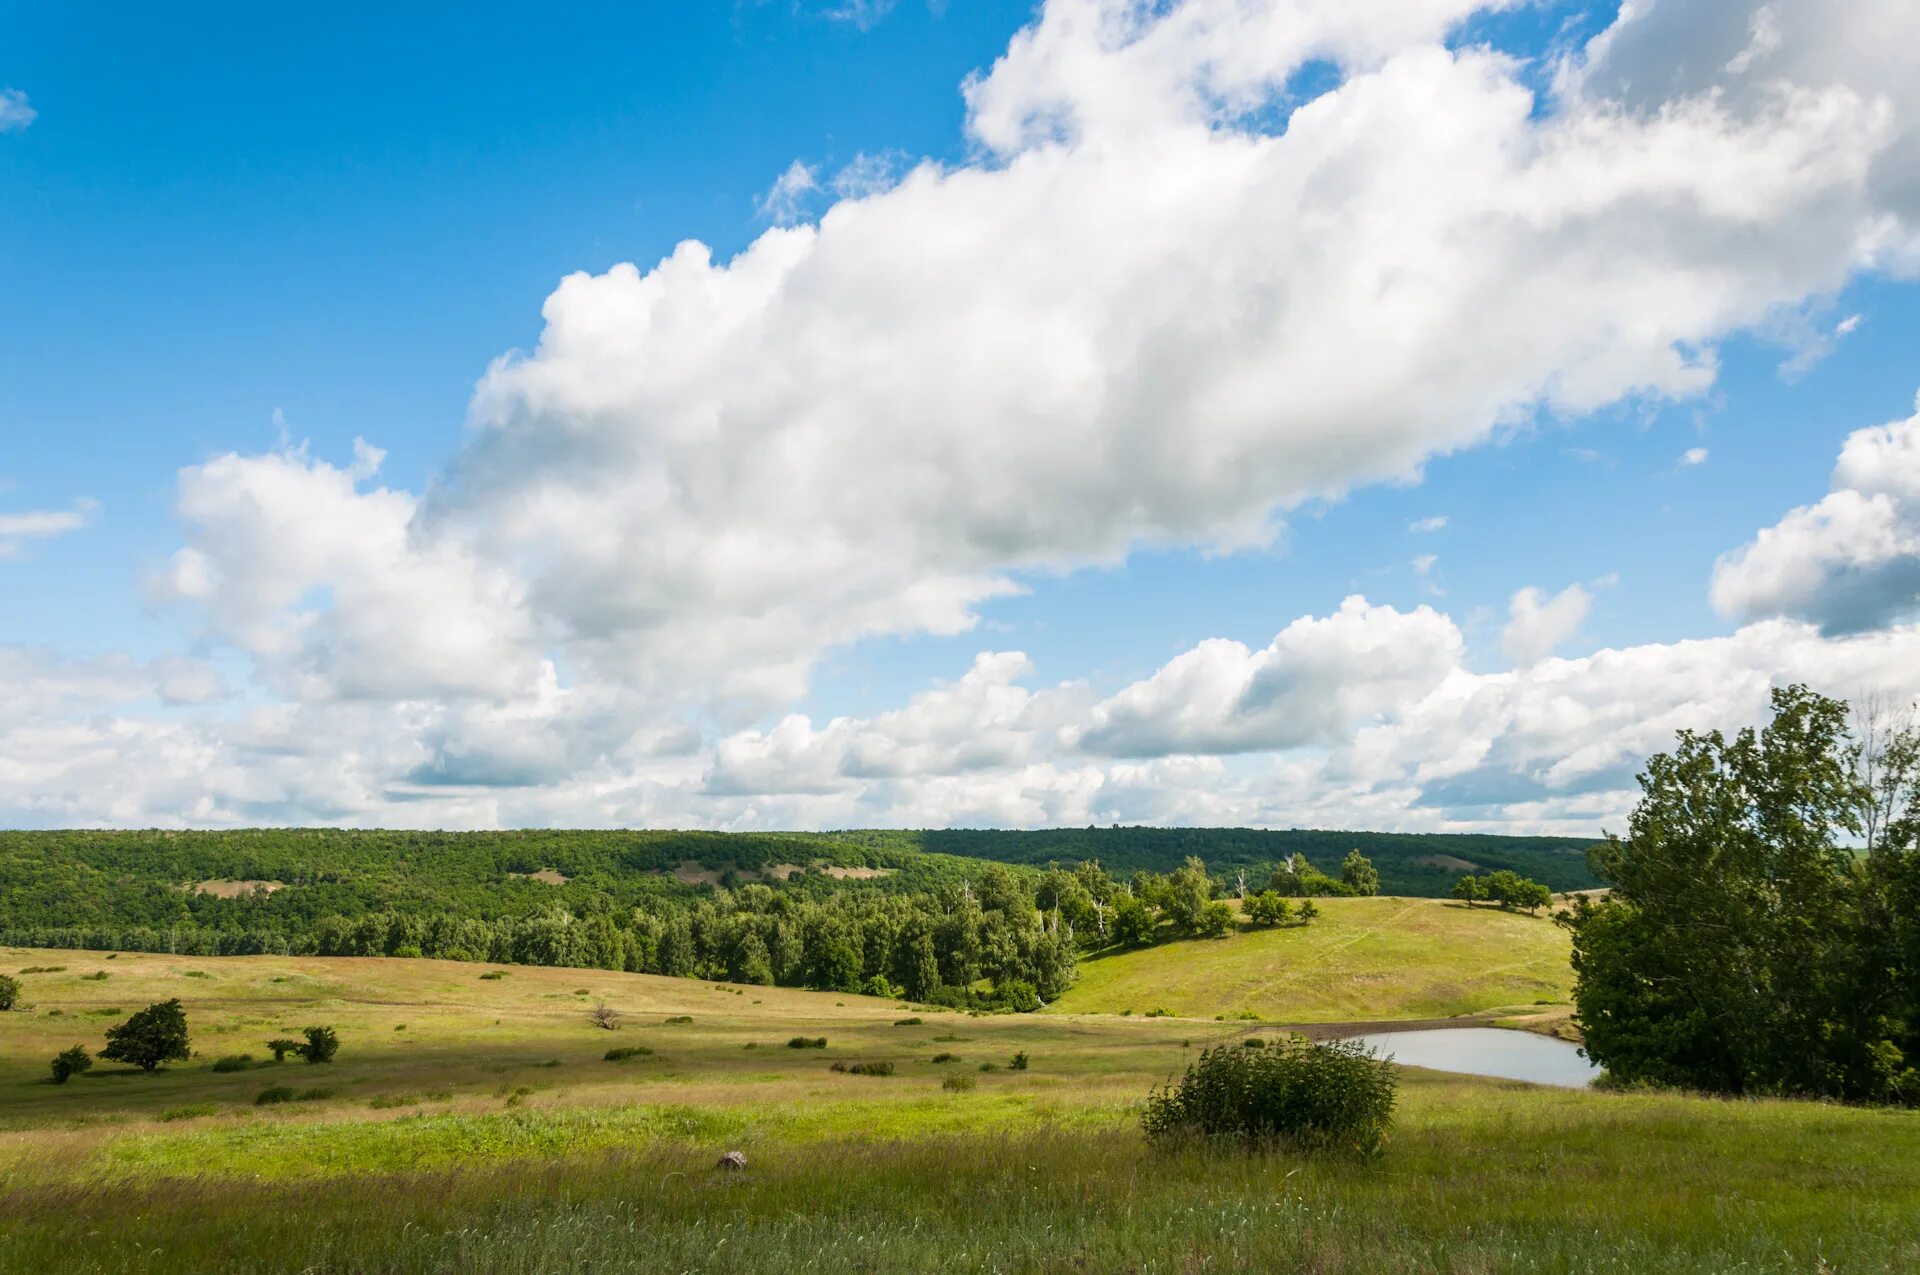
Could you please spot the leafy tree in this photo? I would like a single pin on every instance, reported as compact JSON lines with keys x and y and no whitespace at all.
{"x":9,"y":992}
{"x":1268,"y":908}
{"x":281,"y":1047}
{"x":1215,"y":920}
{"x":1357,"y":871}
{"x":1185,"y":897}
{"x":70,"y":1062}
{"x":1309,"y":912}
{"x":1469,"y":888}
{"x":155,"y":1035}
{"x":1131,"y":922}
{"x":1739,"y":951}
{"x":322,"y":1044}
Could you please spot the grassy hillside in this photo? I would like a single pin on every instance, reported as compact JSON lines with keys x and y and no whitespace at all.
{"x":473,"y":1124}
{"x":1363,"y":959}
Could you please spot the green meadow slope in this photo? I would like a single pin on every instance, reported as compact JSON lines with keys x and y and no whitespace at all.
{"x":473,"y":1123}
{"x":1362,"y":960}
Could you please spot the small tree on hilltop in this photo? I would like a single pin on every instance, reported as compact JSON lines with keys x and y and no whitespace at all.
{"x":1359,"y":873}
{"x":321,"y":1045}
{"x":155,"y":1035}
{"x":1467,"y":889}
{"x":604,"y":1016}
{"x":1214,"y":921}
{"x":70,"y":1062}
{"x":1309,"y":911}
{"x":1268,"y":908}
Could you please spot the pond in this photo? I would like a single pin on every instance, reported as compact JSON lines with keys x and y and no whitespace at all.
{"x":1488,"y":1051}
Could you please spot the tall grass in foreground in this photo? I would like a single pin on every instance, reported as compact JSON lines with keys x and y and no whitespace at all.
{"x":1642,"y":1186}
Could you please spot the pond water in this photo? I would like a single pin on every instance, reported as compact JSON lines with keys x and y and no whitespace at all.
{"x":1488,"y":1051}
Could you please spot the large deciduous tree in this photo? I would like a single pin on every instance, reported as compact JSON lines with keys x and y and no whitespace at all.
{"x":1746,"y":945}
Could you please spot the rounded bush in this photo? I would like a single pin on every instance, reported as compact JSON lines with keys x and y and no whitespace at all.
{"x":1334,"y":1096}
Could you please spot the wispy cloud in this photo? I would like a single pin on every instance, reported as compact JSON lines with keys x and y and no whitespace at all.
{"x":1424,"y":525}
{"x":785,"y":201}
{"x":1693,"y":456}
{"x":15,"y":111}
{"x":42,"y":524}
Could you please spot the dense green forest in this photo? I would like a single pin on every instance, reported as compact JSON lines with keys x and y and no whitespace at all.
{"x":933,"y":915}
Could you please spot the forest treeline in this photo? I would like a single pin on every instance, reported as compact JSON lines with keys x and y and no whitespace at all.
{"x":983,"y":935}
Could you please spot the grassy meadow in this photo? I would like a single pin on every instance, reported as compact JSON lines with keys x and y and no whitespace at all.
{"x":473,"y":1123}
{"x":1361,"y":960}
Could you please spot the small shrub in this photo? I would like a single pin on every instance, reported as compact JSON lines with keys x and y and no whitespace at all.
{"x":625,"y":1052}
{"x":604,"y":1016}
{"x":387,"y":1101}
{"x":233,"y":1062}
{"x":1157,"y":1013}
{"x":946,"y":1058}
{"x":1335,"y":1096}
{"x":989,"y":1066}
{"x":679,"y":1018}
{"x":70,"y":1062}
{"x":44,"y":969}
{"x":807,"y":1042}
{"x":942,"y":1040}
{"x":882,"y":1068}
{"x":1253,"y":1042}
{"x":1019,"y":1062}
{"x":274,"y":1095}
{"x":195,"y":974}
{"x":322,"y":1044}
{"x":839,"y":1066}
{"x":410,"y":951}
{"x":898,"y":1022}
{"x":192,"y":1111}
{"x":491,"y":975}
{"x":98,"y":976}
{"x":399,"y":1027}
{"x":959,"y":1084}
{"x":281,"y":1047}
{"x":55,"y":1013}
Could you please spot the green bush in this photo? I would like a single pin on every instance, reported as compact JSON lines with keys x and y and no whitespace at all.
{"x":322,"y":1044}
{"x":281,"y":1047}
{"x":958,"y":1083}
{"x":1335,"y":1096}
{"x":98,"y":976}
{"x":191,"y":1111}
{"x":679,"y":1018}
{"x":70,"y":1062}
{"x":807,"y":1042}
{"x":1019,"y":1062}
{"x":946,"y":1058}
{"x":9,"y":992}
{"x":274,"y":1095}
{"x":233,"y":1062}
{"x":44,"y":969}
{"x":625,"y":1052}
{"x":490,"y":975}
{"x":882,"y":1068}
{"x":905,"y":1022}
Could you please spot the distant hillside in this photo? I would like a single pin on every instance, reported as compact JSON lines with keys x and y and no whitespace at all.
{"x":1361,"y":960}
{"x":239,"y":879}
{"x":1419,"y":864}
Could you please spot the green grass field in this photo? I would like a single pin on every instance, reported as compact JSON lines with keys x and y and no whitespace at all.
{"x":1363,"y":959}
{"x":473,"y":1124}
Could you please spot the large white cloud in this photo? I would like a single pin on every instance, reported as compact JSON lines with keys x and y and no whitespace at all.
{"x":1161,"y":306}
{"x":1849,"y":562}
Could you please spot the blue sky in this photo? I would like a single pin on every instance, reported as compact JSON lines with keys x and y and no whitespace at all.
{"x":247,"y":235}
